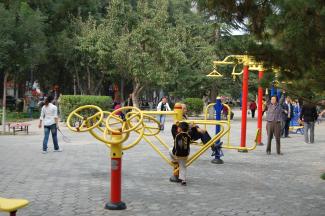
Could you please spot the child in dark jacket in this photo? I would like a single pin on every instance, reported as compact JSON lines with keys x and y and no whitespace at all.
{"x":180,"y":150}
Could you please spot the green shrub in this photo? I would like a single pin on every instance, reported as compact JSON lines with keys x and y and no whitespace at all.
{"x":194,"y":105}
{"x":68,"y":103}
{"x":323,"y":176}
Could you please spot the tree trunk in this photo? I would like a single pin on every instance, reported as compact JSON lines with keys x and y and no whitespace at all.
{"x":78,"y":79}
{"x":213,"y":96}
{"x":122,"y":89}
{"x":88,"y":81}
{"x":137,"y":88}
{"x":213,"y":92}
{"x":99,"y":84}
{"x":4,"y":102}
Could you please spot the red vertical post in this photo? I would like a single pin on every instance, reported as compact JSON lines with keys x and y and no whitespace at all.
{"x":260,"y":107}
{"x":244,"y":107}
{"x":116,"y":173}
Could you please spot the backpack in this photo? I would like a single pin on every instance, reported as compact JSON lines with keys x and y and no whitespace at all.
{"x":182,"y":145}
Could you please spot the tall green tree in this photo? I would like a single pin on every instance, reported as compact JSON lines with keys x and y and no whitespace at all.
{"x":22,"y":42}
{"x":63,"y":60}
{"x":289,"y":34}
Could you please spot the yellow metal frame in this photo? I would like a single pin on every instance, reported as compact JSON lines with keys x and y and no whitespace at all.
{"x":227,"y":144}
{"x":198,"y":153}
{"x":235,"y":60}
{"x":144,"y":131}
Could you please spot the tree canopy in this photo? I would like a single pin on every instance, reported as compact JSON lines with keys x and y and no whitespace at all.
{"x":288,"y":34}
{"x":143,"y":45}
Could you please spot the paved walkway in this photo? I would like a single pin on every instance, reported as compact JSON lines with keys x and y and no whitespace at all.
{"x":75,"y":181}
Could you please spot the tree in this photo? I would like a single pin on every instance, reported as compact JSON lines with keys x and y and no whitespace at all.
{"x":63,"y":61}
{"x":134,"y":34}
{"x":23,"y":43}
{"x":288,"y":35}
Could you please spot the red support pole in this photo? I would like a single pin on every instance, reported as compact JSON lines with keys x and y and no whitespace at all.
{"x":244,"y":107}
{"x":260,"y":107}
{"x":116,"y":173}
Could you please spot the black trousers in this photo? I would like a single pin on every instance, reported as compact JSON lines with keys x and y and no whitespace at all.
{"x":253,"y":113}
{"x":285,"y":131}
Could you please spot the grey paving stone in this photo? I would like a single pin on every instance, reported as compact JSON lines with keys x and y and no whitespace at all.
{"x":76,"y":181}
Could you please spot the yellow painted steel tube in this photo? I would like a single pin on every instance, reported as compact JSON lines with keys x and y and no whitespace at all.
{"x":207,"y":122}
{"x":204,"y":148}
{"x":245,"y":148}
{"x":228,"y":119}
{"x":207,"y":145}
{"x":159,"y":112}
{"x":162,"y":142}
{"x":157,"y":150}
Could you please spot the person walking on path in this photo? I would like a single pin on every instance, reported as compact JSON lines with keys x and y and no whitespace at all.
{"x":273,"y":126}
{"x":253,"y":108}
{"x":163,"y":106}
{"x":309,"y":115}
{"x":49,"y":118}
{"x":287,"y":115}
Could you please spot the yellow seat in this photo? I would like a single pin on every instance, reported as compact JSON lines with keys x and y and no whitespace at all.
{"x":12,"y":205}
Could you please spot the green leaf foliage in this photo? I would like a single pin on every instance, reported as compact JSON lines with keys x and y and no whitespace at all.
{"x":194,"y":105}
{"x":68,"y":103}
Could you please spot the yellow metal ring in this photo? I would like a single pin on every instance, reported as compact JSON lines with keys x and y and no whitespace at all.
{"x":125,"y":124}
{"x":136,"y":141}
{"x":85,"y":120}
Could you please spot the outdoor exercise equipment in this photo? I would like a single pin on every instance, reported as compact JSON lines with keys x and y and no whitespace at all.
{"x":12,"y":205}
{"x":218,"y":106}
{"x":112,"y":130}
{"x":249,"y":63}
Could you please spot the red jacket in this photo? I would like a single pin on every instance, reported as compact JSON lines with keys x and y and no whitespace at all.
{"x":252,"y":106}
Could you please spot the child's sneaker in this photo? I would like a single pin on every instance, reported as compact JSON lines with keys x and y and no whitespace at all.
{"x":174,"y":179}
{"x":58,"y":150}
{"x":44,"y":152}
{"x":183,"y":183}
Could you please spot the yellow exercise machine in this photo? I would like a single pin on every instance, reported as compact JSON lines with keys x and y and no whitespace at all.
{"x":114,"y":130}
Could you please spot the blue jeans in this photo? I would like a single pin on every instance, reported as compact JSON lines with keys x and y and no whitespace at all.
{"x":30,"y":112}
{"x":161,"y":119}
{"x":47,"y":129}
{"x":309,"y":126}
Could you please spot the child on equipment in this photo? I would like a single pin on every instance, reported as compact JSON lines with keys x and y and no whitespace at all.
{"x":180,"y":150}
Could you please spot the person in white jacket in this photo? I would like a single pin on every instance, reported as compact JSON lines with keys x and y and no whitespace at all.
{"x":162,"y":106}
{"x":49,"y":118}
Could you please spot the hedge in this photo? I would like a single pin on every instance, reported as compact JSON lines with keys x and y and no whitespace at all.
{"x":194,"y":105}
{"x":70,"y":102}
{"x":323,"y":176}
